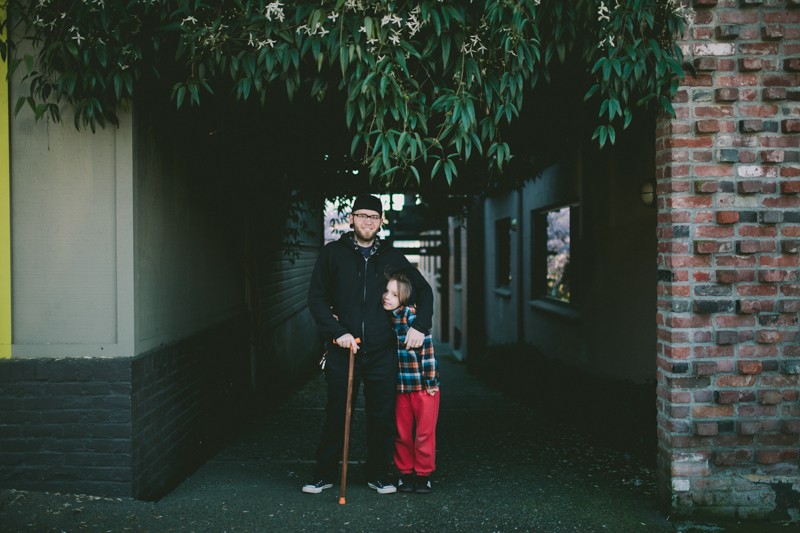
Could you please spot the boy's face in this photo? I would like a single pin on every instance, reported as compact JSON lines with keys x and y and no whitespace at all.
{"x":390,"y":299}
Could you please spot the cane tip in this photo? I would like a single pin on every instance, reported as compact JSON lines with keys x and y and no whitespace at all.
{"x":342,"y":501}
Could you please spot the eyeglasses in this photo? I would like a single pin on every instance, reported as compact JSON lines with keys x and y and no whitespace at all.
{"x":364,"y":216}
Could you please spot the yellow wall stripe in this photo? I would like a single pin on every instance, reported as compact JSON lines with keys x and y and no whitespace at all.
{"x":5,"y":215}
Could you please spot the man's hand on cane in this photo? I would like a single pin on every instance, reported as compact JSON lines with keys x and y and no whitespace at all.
{"x":414,"y":338}
{"x":346,"y":340}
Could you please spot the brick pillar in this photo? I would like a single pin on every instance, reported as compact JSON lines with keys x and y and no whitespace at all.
{"x":728,"y":180}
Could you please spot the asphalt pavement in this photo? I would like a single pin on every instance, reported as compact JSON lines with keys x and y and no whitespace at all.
{"x":502,"y":466}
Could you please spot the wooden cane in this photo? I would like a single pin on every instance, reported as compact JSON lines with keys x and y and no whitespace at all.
{"x":343,"y":485}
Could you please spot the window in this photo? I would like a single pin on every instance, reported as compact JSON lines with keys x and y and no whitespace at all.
{"x":502,"y":252}
{"x":554,"y":253}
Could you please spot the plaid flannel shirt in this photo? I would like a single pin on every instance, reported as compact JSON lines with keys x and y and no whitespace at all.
{"x":417,"y":369}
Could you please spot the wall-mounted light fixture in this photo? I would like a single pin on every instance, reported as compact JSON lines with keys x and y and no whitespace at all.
{"x":648,"y":193}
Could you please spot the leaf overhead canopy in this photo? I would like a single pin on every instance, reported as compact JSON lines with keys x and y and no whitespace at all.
{"x":426,"y":85}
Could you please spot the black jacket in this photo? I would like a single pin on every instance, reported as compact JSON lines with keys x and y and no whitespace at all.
{"x":346,"y":285}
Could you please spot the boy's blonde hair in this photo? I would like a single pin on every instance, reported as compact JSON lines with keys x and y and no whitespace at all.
{"x":403,"y":287}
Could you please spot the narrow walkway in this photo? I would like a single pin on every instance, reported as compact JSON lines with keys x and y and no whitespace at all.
{"x":501,"y":468}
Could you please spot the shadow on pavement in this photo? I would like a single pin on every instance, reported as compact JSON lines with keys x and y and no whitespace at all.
{"x":502,"y":466}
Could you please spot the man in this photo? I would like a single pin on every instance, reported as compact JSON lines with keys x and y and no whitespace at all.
{"x":345,"y":299}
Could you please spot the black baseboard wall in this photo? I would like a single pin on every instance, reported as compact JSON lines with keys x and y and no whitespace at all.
{"x":126,"y":426}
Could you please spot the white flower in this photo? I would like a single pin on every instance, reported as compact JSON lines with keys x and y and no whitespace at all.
{"x":362,"y":29}
{"x":189,"y":19}
{"x":274,"y":10}
{"x":78,"y":37}
{"x":394,"y":38}
{"x":602,"y":12}
{"x":333,"y":16}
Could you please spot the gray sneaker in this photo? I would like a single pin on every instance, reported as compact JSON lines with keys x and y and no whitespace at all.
{"x":382,"y":486}
{"x":315,"y":487}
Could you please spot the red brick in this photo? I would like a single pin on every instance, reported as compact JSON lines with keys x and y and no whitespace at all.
{"x":753,"y":411}
{"x":790,"y":126}
{"x":773,"y":156}
{"x":726,"y":94}
{"x":714,"y":232}
{"x":790,"y":187}
{"x":728,"y":397}
{"x":712,"y":411}
{"x":762,"y":351}
{"x":773,"y":93}
{"x":746,"y":380}
{"x":768,"y":337}
{"x":754,"y":246}
{"x":705,"y":369}
{"x":764,"y":111}
{"x":749,"y":186}
{"x":773,"y":32}
{"x":758,"y":231}
{"x":738,"y":17}
{"x":777,"y":276}
{"x":769,"y":397}
{"x":791,"y":64}
{"x":718,"y":171}
{"x":783,"y":202}
{"x":768,"y":457}
{"x":727,"y":217}
{"x":707,"y":126}
{"x":749,"y":64}
{"x":727,"y":276}
{"x":706,"y":429}
{"x":734,"y":321}
{"x":706,"y":64}
{"x":713,"y":247}
{"x":749,"y":427}
{"x":790,"y":172}
{"x":758,"y":290}
{"x":750,"y":367}
{"x":759,"y":49}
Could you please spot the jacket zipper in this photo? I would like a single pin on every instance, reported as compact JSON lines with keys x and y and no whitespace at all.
{"x":364,"y":303}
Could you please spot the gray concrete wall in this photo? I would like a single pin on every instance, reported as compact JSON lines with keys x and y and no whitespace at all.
{"x":189,"y":273}
{"x":70,"y":195}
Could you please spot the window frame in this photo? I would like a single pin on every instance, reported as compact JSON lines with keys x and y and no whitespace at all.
{"x":539,"y":255}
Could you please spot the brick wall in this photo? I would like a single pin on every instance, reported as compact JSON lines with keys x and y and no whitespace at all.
{"x":728,"y":171}
{"x":124,"y":426}
{"x":187,"y":398}
{"x":65,"y":425}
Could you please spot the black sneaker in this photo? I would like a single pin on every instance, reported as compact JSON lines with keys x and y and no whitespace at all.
{"x":423,"y":485}
{"x":383,"y":487}
{"x":405,"y":483}
{"x":315,"y":487}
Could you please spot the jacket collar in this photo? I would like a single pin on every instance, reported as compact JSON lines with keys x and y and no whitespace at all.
{"x":350,"y":238}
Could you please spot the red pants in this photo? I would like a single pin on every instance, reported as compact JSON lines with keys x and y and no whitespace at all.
{"x":415,"y":444}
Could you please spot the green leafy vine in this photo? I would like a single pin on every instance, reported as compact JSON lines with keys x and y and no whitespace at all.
{"x":428,"y":84}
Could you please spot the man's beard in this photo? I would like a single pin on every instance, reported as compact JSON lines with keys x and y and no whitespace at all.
{"x":361,"y":237}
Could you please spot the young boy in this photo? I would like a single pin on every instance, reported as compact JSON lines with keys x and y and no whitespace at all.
{"x":417,"y":404}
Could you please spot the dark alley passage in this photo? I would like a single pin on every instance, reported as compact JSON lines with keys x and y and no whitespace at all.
{"x":500,"y":468}
{"x":503,"y":465}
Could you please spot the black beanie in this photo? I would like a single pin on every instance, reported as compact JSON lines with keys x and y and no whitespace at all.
{"x":367,"y":201}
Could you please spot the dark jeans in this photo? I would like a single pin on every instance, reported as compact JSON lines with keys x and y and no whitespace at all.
{"x":378,"y":370}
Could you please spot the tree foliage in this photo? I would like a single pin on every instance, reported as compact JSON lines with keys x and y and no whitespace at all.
{"x":427,"y":84}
